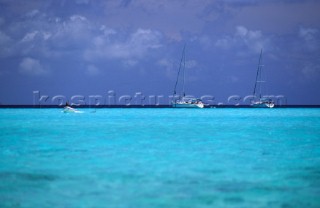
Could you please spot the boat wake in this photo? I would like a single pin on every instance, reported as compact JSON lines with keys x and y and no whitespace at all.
{"x":68,"y":109}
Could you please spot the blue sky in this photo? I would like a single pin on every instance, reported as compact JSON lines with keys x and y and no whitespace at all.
{"x":86,"y":47}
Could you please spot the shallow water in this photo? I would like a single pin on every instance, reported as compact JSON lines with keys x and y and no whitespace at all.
{"x":160,"y":158}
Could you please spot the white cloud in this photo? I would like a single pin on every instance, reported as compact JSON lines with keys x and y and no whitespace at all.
{"x":168,"y":65}
{"x":165,"y":62}
{"x":191,"y":64}
{"x":255,"y":35}
{"x":173,"y":18}
{"x":32,"y":66}
{"x":76,"y":28}
{"x":307,"y":33}
{"x":135,"y":47}
{"x":32,"y":13}
{"x":78,"y":18}
{"x":253,"y":40}
{"x":52,"y":36}
{"x":310,"y":37}
{"x":142,"y":40}
{"x":29,"y":36}
{"x":107,"y":31}
{"x":46,"y":35}
{"x":241,"y":31}
{"x":92,"y":70}
{"x":171,"y":67}
{"x":145,"y":37}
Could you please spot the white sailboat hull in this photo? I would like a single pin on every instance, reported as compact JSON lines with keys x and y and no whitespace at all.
{"x":187,"y":105}
{"x":262,"y":105}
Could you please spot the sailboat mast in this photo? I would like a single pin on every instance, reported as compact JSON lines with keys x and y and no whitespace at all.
{"x":184,"y":71}
{"x":182,"y":59}
{"x":258,"y":76}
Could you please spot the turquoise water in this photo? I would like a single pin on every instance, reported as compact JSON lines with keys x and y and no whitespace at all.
{"x":160,"y":158}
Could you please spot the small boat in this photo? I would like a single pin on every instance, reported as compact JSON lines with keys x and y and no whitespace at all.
{"x":184,"y":101}
{"x":68,"y":109}
{"x":260,"y":101}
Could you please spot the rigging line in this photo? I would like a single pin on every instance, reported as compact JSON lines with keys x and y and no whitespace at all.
{"x":184,"y":73}
{"x":257,"y":76}
{"x":266,"y":91}
{"x":182,"y":57}
{"x":260,"y":77}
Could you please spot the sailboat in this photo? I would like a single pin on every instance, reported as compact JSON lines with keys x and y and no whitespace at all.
{"x":184,"y":101}
{"x":260,"y":102}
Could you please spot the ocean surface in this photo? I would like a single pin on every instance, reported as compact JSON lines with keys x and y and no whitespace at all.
{"x":160,"y":158}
